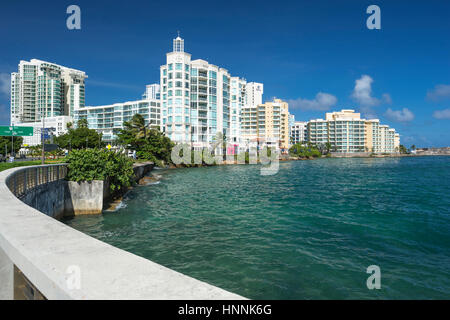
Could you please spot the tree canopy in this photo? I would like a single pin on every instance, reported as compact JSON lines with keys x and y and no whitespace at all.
{"x":7,"y":141}
{"x":80,"y":138}
{"x":300,"y":150}
{"x":149,"y":143}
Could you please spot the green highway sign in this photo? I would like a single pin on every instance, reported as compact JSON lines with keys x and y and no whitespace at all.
{"x":16,"y":131}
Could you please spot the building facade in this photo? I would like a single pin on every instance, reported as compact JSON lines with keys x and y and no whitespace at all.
{"x":152,"y":92}
{"x":346,"y":132}
{"x":202,"y":102}
{"x":53,"y":126}
{"x":109,"y":119}
{"x":299,"y":132}
{"x":41,"y":88}
{"x":266,"y":124}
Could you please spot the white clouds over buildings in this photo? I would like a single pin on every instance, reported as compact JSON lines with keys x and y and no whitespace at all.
{"x":322,"y":102}
{"x":404,"y":115}
{"x":362,"y":94}
{"x":442,"y":114}
{"x":440,"y":92}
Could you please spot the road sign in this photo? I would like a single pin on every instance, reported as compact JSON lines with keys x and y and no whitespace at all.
{"x":16,"y":131}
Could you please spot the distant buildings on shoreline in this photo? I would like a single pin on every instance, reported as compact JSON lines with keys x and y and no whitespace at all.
{"x":346,"y":132}
{"x":193,"y":103}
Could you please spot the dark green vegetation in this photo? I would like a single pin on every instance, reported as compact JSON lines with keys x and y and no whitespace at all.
{"x":80,"y":138}
{"x":100,"y":164}
{"x":149,"y":143}
{"x":6,"y":144}
{"x":305,"y":151}
{"x":403,"y":149}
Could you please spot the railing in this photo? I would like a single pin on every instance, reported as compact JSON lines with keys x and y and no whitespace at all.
{"x":28,"y":178}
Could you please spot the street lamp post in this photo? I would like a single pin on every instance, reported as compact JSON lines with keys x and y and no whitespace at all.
{"x":42,"y":139}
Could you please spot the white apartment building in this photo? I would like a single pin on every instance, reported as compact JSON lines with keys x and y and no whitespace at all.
{"x":348,"y":133}
{"x":299,"y":132}
{"x":152,"y":92}
{"x":53,"y":125}
{"x":200,"y":100}
{"x":108,"y":119}
{"x":41,"y":88}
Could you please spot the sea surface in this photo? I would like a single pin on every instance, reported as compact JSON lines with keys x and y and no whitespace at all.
{"x":308,"y":232}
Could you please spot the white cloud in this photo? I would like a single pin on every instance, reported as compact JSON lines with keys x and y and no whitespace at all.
{"x":404,"y":115}
{"x":387,"y":98}
{"x":322,"y":102}
{"x":441,"y":91}
{"x":362,"y":93}
{"x":5,"y":84}
{"x":442,"y":114}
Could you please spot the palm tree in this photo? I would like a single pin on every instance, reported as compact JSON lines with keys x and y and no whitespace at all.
{"x":138,"y":124}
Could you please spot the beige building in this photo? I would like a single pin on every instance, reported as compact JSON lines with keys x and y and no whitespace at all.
{"x":266,"y":124}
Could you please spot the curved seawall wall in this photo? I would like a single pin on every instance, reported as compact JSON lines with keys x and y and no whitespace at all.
{"x":42,"y":258}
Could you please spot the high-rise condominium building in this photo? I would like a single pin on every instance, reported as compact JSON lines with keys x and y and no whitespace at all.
{"x":41,"y":88}
{"x":200,"y":100}
{"x":291,"y":125}
{"x":299,"y":132}
{"x":109,"y":119}
{"x":348,"y":133}
{"x":266,"y":124}
{"x":152,"y":91}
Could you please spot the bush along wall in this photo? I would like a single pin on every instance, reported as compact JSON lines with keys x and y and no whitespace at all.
{"x":101,"y":164}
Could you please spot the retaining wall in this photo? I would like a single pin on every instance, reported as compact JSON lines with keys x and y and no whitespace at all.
{"x":58,"y":262}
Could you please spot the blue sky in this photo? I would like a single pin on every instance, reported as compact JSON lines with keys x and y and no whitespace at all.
{"x":319,"y":55}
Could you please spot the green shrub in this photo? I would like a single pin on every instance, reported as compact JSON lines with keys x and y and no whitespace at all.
{"x":99,"y":164}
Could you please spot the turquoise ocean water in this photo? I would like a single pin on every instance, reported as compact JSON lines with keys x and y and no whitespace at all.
{"x":308,"y":232}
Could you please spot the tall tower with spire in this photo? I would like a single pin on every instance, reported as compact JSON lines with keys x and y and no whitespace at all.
{"x":178,"y":44}
{"x":200,"y":100}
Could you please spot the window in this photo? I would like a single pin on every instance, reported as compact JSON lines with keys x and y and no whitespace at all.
{"x":170,"y":67}
{"x":178,"y":66}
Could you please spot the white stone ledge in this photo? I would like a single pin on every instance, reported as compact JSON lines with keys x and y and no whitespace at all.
{"x":44,"y":248}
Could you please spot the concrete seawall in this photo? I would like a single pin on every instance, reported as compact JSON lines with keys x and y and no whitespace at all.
{"x":89,"y":197}
{"x":44,"y":257}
